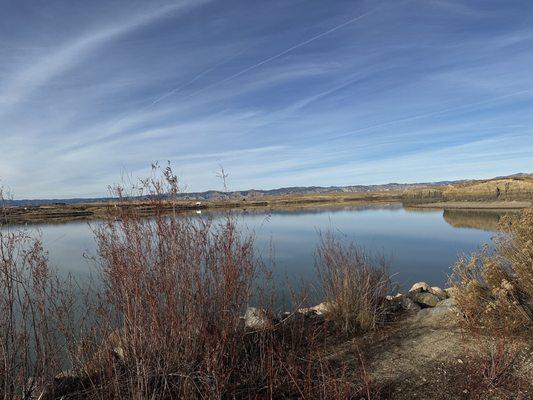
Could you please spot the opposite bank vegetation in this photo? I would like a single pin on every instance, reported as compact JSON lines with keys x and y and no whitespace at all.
{"x":499,"y":193}
{"x":183,"y":308}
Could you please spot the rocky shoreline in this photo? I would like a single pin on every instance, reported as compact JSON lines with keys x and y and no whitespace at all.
{"x":421,"y":298}
{"x":424,"y":344}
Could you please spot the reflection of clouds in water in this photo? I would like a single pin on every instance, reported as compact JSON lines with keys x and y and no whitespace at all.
{"x":67,"y":244}
{"x":422,"y":245}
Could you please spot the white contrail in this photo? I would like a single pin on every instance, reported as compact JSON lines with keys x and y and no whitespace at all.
{"x":194,"y":79}
{"x":271,"y":58}
{"x":434,"y":113}
{"x":276,"y":56}
{"x":180,"y":88}
{"x":125,"y":115}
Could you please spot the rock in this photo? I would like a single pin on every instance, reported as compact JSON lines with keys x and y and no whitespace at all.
{"x":320,"y":309}
{"x":392,"y":306}
{"x":323,"y":308}
{"x":68,"y":374}
{"x":425,"y":299}
{"x":118,"y":354}
{"x":256,"y":318}
{"x":309,"y":319}
{"x":443,"y":307}
{"x":419,"y":287}
{"x":425,"y":295}
{"x":64,"y":385}
{"x":284,"y":315}
{"x":408,"y":304}
{"x":431,"y":312}
{"x":396,"y":297}
{"x":299,"y":319}
{"x":393,"y":303}
{"x":448,"y":303}
{"x":437,"y":291}
{"x":306,"y":310}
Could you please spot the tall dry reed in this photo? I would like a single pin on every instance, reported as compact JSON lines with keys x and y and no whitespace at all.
{"x":354,"y":283}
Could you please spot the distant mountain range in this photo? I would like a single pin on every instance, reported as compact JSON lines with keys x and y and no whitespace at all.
{"x":253,"y":193}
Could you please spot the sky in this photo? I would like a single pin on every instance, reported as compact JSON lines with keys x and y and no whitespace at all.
{"x":279,"y":93}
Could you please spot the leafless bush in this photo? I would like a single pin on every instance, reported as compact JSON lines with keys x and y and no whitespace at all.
{"x":175,"y":291}
{"x":495,"y":287}
{"x":170,"y":318}
{"x":355,"y":285}
{"x":28,"y":343}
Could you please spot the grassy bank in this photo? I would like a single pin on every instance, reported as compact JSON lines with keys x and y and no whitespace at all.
{"x":474,"y":205}
{"x":498,"y":190}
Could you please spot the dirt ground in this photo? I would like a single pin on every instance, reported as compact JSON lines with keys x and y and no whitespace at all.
{"x":427,"y":355}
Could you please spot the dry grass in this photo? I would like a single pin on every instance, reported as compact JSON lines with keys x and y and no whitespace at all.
{"x":354,"y":284}
{"x":499,"y":190}
{"x":495,"y":288}
{"x":490,"y":368}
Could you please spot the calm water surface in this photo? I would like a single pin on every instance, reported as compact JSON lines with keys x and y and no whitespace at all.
{"x":422,"y":245}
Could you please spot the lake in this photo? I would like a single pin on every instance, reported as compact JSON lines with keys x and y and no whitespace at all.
{"x":422,"y":245}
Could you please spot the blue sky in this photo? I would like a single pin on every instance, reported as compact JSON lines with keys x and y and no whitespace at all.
{"x":281,"y":93}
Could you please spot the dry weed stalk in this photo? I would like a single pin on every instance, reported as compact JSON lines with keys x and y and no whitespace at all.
{"x":355,"y":285}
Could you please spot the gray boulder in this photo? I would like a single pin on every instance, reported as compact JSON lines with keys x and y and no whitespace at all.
{"x":437,"y":291}
{"x":443,"y":308}
{"x":399,"y":302}
{"x":419,"y":287}
{"x":447,"y":303}
{"x":320,"y":309}
{"x":424,"y":299}
{"x":408,"y":304}
{"x":392,"y":305}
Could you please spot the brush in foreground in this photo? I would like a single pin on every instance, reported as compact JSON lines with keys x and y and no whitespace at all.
{"x":495,"y":287}
{"x":355,"y":285}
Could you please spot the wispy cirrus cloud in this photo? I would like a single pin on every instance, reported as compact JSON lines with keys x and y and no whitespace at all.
{"x":280,"y":93}
{"x":38,"y":72}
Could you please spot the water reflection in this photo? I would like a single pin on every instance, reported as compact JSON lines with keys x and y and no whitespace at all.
{"x":421,"y":244}
{"x":487,"y":220}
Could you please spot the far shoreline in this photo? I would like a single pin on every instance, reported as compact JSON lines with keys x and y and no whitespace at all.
{"x":61,"y":213}
{"x":503,"y":194}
